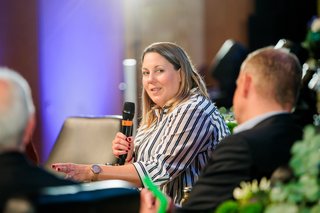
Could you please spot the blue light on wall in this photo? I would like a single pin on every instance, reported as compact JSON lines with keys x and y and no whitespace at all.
{"x":81,"y":52}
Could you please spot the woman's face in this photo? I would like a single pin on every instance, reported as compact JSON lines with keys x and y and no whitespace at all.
{"x":160,"y":80}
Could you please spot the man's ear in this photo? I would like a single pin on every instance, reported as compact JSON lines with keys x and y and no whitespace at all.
{"x":28,"y":132}
{"x":247,"y":84}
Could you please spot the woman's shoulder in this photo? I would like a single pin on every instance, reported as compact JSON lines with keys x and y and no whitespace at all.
{"x":197,"y":102}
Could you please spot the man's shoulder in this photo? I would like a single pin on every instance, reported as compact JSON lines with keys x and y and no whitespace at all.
{"x":277,"y":127}
{"x":280,"y":123}
{"x":282,"y":118}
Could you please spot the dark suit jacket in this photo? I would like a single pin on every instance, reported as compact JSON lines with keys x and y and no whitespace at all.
{"x":248,"y":155}
{"x":18,"y":176}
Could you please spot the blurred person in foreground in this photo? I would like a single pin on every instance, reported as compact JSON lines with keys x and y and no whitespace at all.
{"x":180,"y":127}
{"x":19,"y":176}
{"x":266,"y":93}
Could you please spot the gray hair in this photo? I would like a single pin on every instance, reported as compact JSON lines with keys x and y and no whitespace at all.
{"x":16,"y":106}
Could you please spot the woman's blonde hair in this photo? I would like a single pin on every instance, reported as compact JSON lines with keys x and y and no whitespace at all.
{"x":190,"y":78}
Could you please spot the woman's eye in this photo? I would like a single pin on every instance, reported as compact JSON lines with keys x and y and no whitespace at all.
{"x":159,"y":71}
{"x":145,"y":73}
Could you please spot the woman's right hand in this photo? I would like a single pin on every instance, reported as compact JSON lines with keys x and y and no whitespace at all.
{"x":76,"y":172}
{"x":122,"y":145}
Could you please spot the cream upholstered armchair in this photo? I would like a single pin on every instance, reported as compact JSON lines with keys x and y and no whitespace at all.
{"x":86,"y":140}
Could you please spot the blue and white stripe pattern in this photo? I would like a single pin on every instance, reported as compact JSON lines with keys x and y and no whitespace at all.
{"x":174,"y":150}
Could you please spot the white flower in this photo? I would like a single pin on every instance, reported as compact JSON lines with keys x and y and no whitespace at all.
{"x":265,"y":184}
{"x":247,"y":189}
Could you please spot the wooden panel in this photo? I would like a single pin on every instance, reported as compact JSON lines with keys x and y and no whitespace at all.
{"x":227,"y":19}
{"x":19,"y":45}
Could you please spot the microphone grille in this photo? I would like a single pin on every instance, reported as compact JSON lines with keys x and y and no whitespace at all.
{"x":128,"y":111}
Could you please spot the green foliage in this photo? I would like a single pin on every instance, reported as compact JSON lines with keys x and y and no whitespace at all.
{"x":312,"y":40}
{"x":231,"y":125}
{"x":228,"y":116}
{"x":251,"y":208}
{"x":300,"y":195}
{"x":229,"y":206}
{"x":312,"y":44}
{"x":304,"y":190}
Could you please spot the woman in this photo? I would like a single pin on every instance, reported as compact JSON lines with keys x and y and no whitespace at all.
{"x":180,"y":127}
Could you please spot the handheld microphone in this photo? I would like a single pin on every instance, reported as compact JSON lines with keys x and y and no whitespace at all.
{"x":126,"y":125}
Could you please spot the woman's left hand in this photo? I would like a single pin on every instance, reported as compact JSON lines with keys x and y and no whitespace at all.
{"x":76,"y":172}
{"x":123,"y":145}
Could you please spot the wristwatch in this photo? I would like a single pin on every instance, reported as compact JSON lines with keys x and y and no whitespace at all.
{"x":96,"y":170}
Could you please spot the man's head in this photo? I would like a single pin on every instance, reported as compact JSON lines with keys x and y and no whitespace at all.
{"x":269,"y":80}
{"x":16,"y":110}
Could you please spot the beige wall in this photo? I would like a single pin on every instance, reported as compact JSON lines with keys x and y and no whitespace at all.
{"x":177,"y":21}
{"x":199,"y":26}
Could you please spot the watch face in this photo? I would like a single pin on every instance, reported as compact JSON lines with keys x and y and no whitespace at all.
{"x":96,"y":169}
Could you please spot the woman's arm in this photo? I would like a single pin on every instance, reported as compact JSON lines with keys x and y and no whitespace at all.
{"x":126,"y":172}
{"x":182,"y":136}
{"x":84,"y":173}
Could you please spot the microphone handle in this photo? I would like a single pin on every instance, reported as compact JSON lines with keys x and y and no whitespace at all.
{"x":126,"y":130}
{"x":122,"y":159}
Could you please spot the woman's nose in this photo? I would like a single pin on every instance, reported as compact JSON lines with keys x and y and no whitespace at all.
{"x":150,"y":77}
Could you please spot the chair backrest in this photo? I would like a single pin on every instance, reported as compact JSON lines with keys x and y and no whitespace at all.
{"x":225,"y":69}
{"x":86,"y":140}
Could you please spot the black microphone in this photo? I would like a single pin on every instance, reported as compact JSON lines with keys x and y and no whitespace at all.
{"x":126,"y":125}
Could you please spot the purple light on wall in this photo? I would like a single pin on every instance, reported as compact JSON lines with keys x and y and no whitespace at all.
{"x":81,"y":52}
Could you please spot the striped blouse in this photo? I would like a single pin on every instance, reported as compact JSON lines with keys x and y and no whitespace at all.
{"x":174,"y":150}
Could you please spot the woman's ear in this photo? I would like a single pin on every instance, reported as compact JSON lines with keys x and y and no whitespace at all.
{"x":180,"y":75}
